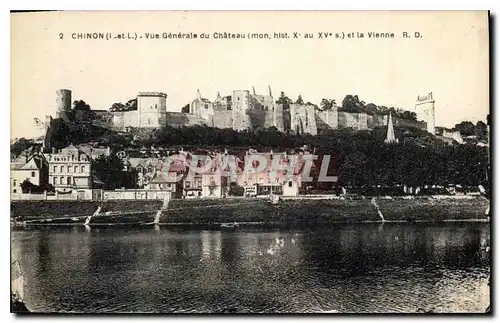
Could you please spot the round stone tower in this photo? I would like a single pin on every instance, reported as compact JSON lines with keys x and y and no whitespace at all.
{"x":63,"y":102}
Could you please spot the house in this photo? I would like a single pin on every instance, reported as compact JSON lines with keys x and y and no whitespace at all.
{"x":166,"y":182}
{"x":35,"y":170}
{"x":192,"y":185}
{"x":214,"y":185}
{"x":69,"y":169}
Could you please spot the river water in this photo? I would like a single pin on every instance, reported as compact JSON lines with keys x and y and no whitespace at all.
{"x":368,"y":268}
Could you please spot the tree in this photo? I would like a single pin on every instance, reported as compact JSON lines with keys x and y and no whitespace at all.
{"x":81,"y":112}
{"x":327,"y":104}
{"x":351,"y":103}
{"x":185,"y":109}
{"x":283,"y":99}
{"x":109,"y":169}
{"x":19,"y":146}
{"x":481,"y":130}
{"x":117,"y":107}
{"x":466,"y":128}
{"x":81,"y":105}
{"x":236,"y":190}
{"x":27,"y":186}
{"x":299,"y":100}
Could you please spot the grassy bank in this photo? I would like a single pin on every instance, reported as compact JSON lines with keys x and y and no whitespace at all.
{"x":289,"y":212}
{"x":36,"y":210}
{"x":431,"y":209}
{"x":307,"y":212}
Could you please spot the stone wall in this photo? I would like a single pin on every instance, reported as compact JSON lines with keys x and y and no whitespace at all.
{"x":222,"y":119}
{"x":356,"y":121}
{"x":258,"y":117}
{"x":178,"y":119}
{"x":240,"y":110}
{"x":279,"y":117}
{"x":136,"y":195}
{"x":303,"y":119}
{"x":327,"y":120}
{"x":125,"y":119}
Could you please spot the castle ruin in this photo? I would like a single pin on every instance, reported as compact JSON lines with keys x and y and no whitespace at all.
{"x":245,"y":109}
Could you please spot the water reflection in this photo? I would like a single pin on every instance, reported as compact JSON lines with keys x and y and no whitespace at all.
{"x":368,"y":268}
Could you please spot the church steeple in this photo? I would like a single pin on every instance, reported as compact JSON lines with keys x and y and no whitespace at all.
{"x":391,"y":137}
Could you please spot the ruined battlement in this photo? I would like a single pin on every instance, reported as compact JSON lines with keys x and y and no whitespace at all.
{"x":159,"y":94}
{"x":425,"y":98}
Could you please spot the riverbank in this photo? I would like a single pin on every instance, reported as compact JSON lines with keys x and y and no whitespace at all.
{"x":288,"y":212}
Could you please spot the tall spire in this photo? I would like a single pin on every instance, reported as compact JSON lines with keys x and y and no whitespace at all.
{"x":198,"y":94}
{"x":391,"y":137}
{"x":270,"y":93}
{"x":253,"y":90}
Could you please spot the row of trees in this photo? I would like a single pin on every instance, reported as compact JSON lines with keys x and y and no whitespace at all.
{"x":110,"y":170}
{"x":467,"y":128}
{"x":359,"y":158}
{"x":128,"y":106}
{"x":352,"y":104}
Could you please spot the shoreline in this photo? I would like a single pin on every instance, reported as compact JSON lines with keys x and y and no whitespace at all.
{"x":247,"y":212}
{"x":242,"y":225}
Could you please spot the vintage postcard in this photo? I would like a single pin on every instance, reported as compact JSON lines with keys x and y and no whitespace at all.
{"x":250,"y":162}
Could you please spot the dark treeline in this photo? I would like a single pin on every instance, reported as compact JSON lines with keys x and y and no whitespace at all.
{"x":351,"y":103}
{"x":358,"y":158}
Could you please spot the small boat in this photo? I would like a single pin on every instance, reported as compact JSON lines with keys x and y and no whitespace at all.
{"x":229,"y":226}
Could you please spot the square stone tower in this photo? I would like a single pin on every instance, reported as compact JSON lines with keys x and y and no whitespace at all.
{"x":424,"y":108}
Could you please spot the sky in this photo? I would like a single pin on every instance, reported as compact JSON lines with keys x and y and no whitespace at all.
{"x":451,"y":59}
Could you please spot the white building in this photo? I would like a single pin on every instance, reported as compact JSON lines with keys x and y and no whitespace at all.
{"x":34,"y":170}
{"x":69,"y":169}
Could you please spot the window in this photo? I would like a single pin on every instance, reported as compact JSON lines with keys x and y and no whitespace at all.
{"x":187,"y":184}
{"x":83,"y":169}
{"x":75,"y":169}
{"x":14,"y":183}
{"x":61,"y":181}
{"x":55,"y":169}
{"x":68,"y":168}
{"x":206,"y":106}
{"x":55,"y":180}
{"x":68,"y":181}
{"x":61,"y":169}
{"x":32,"y":174}
{"x":156,"y":106}
{"x":14,"y":191}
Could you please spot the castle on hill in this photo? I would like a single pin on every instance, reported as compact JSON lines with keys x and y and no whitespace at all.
{"x":245,"y":109}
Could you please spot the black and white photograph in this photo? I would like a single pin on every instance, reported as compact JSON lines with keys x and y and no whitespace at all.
{"x":260,"y":162}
